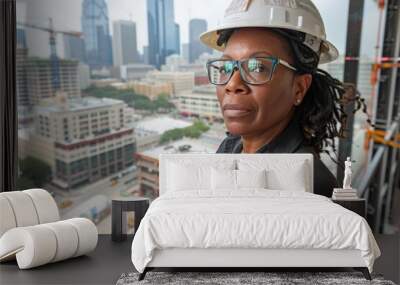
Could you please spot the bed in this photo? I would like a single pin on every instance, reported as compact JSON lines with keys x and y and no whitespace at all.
{"x":246,"y":210}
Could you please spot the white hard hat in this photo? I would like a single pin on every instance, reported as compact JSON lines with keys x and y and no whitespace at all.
{"x":295,"y":15}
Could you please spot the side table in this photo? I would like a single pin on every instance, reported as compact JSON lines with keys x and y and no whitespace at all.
{"x":120,"y":206}
{"x":358,"y":206}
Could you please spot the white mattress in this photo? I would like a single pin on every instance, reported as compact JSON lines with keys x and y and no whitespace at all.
{"x":253,"y":218}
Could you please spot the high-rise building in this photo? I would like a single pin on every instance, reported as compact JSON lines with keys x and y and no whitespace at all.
{"x":21,"y":38}
{"x":200,"y":103}
{"x":21,"y":57}
{"x":39,"y":75}
{"x":83,"y":139}
{"x":196,"y":48}
{"x":124,"y":43}
{"x":74,"y":48}
{"x":185,"y":51}
{"x":163,"y":31}
{"x":24,"y":105}
{"x":181,"y":81}
{"x":178,"y":39}
{"x":96,"y":33}
{"x":146,"y":55}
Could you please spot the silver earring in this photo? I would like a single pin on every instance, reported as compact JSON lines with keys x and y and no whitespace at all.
{"x":298,"y":101}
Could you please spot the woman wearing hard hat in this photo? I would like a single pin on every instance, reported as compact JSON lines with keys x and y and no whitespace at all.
{"x":273,"y":97}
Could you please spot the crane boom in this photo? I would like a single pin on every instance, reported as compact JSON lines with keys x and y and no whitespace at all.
{"x":55,"y":61}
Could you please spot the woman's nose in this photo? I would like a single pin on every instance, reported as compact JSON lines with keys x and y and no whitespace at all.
{"x":235,"y":84}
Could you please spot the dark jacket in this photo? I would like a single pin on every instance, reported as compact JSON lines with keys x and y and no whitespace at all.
{"x":290,"y":140}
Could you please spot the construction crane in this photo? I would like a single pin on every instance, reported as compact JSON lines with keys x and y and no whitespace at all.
{"x":55,"y":62}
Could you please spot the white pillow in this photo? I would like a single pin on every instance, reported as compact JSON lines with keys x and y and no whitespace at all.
{"x":182,"y":177}
{"x":282,"y":174}
{"x":227,"y":179}
{"x":251,"y":178}
{"x":293,"y":178}
{"x":223,"y":179}
{"x":185,"y":174}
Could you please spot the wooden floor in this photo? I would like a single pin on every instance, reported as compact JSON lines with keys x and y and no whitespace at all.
{"x":110,"y":259}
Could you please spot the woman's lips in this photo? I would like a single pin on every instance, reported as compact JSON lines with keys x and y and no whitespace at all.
{"x":235,"y":113}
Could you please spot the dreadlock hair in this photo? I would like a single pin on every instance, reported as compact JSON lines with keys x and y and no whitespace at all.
{"x":323,"y":105}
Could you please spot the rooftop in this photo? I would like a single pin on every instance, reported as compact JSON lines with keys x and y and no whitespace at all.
{"x":161,"y":124}
{"x":185,"y":145}
{"x":75,"y":104}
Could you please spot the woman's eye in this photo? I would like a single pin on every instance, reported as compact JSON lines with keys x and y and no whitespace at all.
{"x":226,"y":68}
{"x":256,"y":66}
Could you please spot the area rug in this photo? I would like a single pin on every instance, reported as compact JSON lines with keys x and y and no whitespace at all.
{"x":242,"y":278}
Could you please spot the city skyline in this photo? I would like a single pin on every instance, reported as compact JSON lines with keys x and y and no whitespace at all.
{"x":336,"y":23}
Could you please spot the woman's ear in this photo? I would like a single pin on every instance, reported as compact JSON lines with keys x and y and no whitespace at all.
{"x":301,"y":85}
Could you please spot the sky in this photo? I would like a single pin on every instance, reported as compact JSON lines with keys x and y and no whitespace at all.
{"x":66,"y":16}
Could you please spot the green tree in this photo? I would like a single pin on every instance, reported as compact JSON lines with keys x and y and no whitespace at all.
{"x":193,"y":131}
{"x":25,"y":183}
{"x":35,"y":170}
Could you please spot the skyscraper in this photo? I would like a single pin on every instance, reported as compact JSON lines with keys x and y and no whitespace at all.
{"x":196,"y":48}
{"x":177,"y":39}
{"x":21,"y":56}
{"x":124,"y":43}
{"x":96,"y":33}
{"x":162,"y":31}
{"x":74,"y":48}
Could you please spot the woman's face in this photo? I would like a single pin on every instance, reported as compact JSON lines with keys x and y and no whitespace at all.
{"x":263,"y":106}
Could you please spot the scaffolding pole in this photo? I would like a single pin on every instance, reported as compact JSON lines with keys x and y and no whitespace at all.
{"x":353,"y":42}
{"x":386,"y":117}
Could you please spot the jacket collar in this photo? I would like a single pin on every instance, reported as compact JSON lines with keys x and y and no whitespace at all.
{"x":288,"y":141}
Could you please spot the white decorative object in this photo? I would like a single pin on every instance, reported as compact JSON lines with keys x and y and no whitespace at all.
{"x":46,"y":243}
{"x":31,"y":233}
{"x":347,"y":192}
{"x":347,"y":174}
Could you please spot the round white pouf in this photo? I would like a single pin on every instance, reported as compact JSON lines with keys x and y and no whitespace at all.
{"x":7,"y":218}
{"x":45,"y":205}
{"x":87,"y":233}
{"x":67,"y":239}
{"x":23,"y":208}
{"x":36,"y":245}
{"x":40,"y":244}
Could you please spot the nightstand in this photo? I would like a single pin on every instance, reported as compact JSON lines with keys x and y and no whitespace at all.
{"x":358,"y":206}
{"x":120,"y":206}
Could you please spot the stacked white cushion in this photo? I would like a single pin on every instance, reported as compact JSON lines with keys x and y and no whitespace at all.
{"x":87,"y":234}
{"x":46,"y":207}
{"x":7,"y":218}
{"x":23,"y":208}
{"x":32,"y":246}
{"x":37,"y":245}
{"x":26,"y":208}
{"x":67,"y":239}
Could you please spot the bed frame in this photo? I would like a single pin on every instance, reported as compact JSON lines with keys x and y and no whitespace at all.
{"x":240,"y":259}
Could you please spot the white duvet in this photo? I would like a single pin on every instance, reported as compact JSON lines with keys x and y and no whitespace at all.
{"x":253,"y":218}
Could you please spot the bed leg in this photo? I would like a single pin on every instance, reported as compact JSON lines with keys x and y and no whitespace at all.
{"x":364,"y":271}
{"x":143,"y":274}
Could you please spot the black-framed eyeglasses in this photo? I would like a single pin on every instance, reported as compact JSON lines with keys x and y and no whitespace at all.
{"x":254,"y":70}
